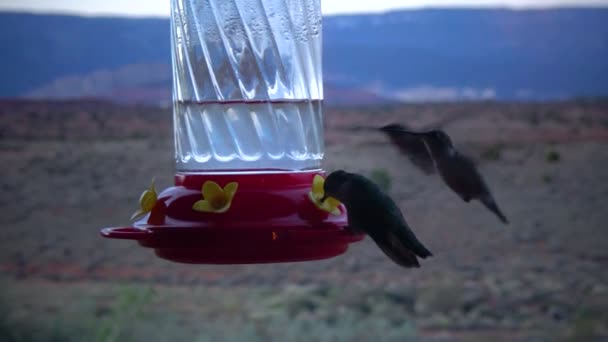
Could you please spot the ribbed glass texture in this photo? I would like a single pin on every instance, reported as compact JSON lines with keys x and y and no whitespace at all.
{"x":247,"y":84}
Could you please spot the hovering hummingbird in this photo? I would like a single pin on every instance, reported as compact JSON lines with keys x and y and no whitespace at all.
{"x":457,"y":170}
{"x":412,"y":147}
{"x":373,"y":212}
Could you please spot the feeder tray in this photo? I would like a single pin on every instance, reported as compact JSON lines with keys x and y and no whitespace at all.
{"x":271,"y":219}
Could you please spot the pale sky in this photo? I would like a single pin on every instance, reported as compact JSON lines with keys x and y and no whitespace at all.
{"x":161,"y":7}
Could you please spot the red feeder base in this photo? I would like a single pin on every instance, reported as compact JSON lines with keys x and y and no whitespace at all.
{"x":271,"y":219}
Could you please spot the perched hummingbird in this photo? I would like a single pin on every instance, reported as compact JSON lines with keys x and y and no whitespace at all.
{"x":411,"y":146}
{"x":373,"y":212}
{"x":457,"y":170}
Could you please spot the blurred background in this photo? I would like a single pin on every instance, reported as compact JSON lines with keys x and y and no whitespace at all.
{"x":521,"y":86}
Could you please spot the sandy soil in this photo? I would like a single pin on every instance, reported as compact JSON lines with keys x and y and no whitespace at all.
{"x":536,"y":279}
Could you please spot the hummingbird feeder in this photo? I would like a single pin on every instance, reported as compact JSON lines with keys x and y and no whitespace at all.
{"x":248,"y":129}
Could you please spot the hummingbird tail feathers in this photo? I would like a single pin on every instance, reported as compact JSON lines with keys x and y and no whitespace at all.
{"x":421,"y":251}
{"x":400,"y":255}
{"x":409,"y":241}
{"x":489,"y":202}
{"x":401,"y":252}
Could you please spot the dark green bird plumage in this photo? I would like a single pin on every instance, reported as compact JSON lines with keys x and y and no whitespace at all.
{"x":373,"y":212}
{"x":412,"y":147}
{"x":458,"y":171}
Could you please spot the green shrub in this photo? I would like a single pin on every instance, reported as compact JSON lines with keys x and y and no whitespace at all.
{"x":382,"y":178}
{"x":553,"y":156}
{"x":493,"y":152}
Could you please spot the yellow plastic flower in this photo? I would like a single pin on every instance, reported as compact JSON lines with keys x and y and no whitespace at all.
{"x":147,"y":201}
{"x":330,"y":204}
{"x":215,"y":199}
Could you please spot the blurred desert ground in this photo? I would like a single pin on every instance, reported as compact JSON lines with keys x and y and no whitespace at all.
{"x":71,"y":168}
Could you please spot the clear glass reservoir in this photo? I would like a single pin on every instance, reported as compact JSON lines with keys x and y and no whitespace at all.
{"x":247,"y":85}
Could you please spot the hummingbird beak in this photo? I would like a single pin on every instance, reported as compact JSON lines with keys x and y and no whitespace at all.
{"x":361,"y":128}
{"x":388,"y":129}
{"x":402,"y":131}
{"x":367,"y":128}
{"x":418,"y":134}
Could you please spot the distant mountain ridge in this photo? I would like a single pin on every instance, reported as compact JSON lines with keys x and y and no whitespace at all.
{"x":429,"y":54}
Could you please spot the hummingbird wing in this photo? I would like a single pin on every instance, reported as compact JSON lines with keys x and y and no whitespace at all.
{"x":415,"y":150}
{"x":377,"y":214}
{"x":385,"y":238}
{"x":394,"y":237}
{"x":394,"y":250}
{"x":400,"y":232}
